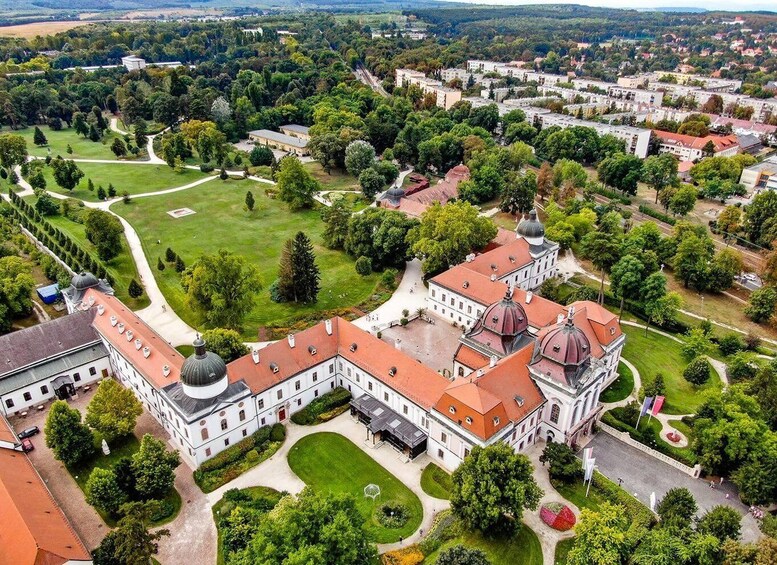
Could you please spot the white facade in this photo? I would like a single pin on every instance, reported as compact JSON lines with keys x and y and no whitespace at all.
{"x":445,"y":97}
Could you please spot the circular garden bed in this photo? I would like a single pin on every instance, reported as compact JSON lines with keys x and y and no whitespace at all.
{"x":558,"y":516}
{"x":391,"y":515}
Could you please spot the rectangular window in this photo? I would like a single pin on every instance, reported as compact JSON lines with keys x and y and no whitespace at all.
{"x":331,"y":368}
{"x":434,"y":293}
{"x":76,"y":377}
{"x":315,"y":376}
{"x":440,"y":454}
{"x":469,"y":309}
{"x":280,"y":394}
{"x":466,"y":453}
{"x":27,"y":396}
{"x":260,"y":403}
{"x":332,"y":384}
{"x":443,"y":297}
{"x":241,"y":415}
{"x":340,"y":365}
{"x":385,"y":397}
{"x":357,"y":377}
{"x":348,"y":371}
{"x":315,"y":393}
{"x":297,"y":385}
{"x":262,"y":421}
{"x":453,"y":301}
{"x":226,"y":441}
{"x":299,"y":402}
{"x":92,"y":371}
{"x":44,"y":389}
{"x":245,"y":433}
{"x":9,"y":403}
{"x":369,"y":385}
{"x":204,"y":433}
{"x":443,"y":437}
{"x":404,"y":409}
{"x":207,"y":452}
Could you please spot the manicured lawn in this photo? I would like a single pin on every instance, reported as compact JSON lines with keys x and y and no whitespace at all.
{"x":682,"y":427}
{"x":221,"y":222}
{"x":125,"y":177}
{"x":122,"y":267}
{"x":436,"y":482}
{"x":329,"y":462}
{"x":355,"y":200}
{"x":562,"y":549}
{"x":523,"y":548}
{"x":337,"y":180}
{"x":83,"y":148}
{"x":656,"y":353}
{"x":621,"y":387}
{"x":123,"y":448}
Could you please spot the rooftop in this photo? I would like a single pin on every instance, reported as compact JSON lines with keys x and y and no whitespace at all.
{"x":278,"y":137}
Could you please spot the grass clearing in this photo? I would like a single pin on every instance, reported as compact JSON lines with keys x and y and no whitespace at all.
{"x":125,"y":177}
{"x":562,"y":550}
{"x":336,"y":180}
{"x":125,"y":447}
{"x":621,"y":387}
{"x":523,"y":548}
{"x":220,"y":222}
{"x":654,"y":353}
{"x":34,"y":29}
{"x":331,"y":463}
{"x":83,"y":148}
{"x":436,"y":482}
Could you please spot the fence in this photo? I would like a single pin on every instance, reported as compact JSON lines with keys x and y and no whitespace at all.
{"x":694,"y":471}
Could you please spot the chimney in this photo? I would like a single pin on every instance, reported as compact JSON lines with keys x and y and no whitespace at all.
{"x":529,"y":296}
{"x":291,"y":340}
{"x":129,"y":335}
{"x":481,"y":372}
{"x":100,"y":309}
{"x":146,"y":352}
{"x":121,"y":328}
{"x":138,"y":344}
{"x":114,"y":319}
{"x":493,"y":278}
{"x":255,"y":356}
{"x":328,"y":326}
{"x":398,"y":344}
{"x":492,"y":362}
{"x":166,"y":370}
{"x":559,"y":318}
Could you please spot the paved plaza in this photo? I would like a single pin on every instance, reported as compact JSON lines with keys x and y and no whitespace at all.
{"x":643,"y":474}
{"x":432,"y":344}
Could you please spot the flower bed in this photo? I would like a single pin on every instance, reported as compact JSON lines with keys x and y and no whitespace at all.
{"x":391,"y":515}
{"x":558,"y":516}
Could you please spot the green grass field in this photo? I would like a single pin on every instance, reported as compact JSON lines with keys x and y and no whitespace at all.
{"x":621,"y":387}
{"x":135,"y":179}
{"x":436,"y":482}
{"x":329,"y":462}
{"x":122,"y":267}
{"x":83,"y":148}
{"x":523,"y":548}
{"x":337,"y":180}
{"x":654,"y":354}
{"x":221,"y":222}
{"x":126,"y":447}
{"x":562,"y":550}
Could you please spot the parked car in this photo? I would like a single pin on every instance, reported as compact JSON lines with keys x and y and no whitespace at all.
{"x":27,"y":445}
{"x":29,"y":432}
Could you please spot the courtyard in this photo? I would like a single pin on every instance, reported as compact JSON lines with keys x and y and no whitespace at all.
{"x":434,"y":345}
{"x":221,"y":222}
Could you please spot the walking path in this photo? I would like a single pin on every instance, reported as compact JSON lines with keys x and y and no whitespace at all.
{"x":114,"y":124}
{"x":633,"y":394}
{"x":276,"y":473}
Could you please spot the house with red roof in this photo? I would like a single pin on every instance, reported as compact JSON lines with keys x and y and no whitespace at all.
{"x":691,"y":148}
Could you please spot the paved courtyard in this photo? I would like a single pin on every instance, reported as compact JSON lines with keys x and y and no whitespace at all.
{"x":643,"y":474}
{"x":432,"y":344}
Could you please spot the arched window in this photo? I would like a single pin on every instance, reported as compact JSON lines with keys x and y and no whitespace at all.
{"x":576,"y":416}
{"x":242,"y":415}
{"x":461,"y":371}
{"x":224,"y":424}
{"x":204,"y":433}
{"x":555,"y":412}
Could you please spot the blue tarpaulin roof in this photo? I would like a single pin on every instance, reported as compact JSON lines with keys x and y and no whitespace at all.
{"x":48,"y":293}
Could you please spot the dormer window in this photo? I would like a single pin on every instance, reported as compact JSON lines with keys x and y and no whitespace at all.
{"x":392,"y":371}
{"x":311,"y":350}
{"x":496,"y":420}
{"x":274,"y":367}
{"x":468,"y":420}
{"x":612,"y":331}
{"x":452,"y":409}
{"x":556,"y":348}
{"x":466,"y":284}
{"x":353,"y":347}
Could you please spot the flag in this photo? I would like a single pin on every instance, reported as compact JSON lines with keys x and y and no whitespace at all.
{"x":587,"y":452}
{"x":658,"y":404}
{"x":589,"y":469}
{"x":646,"y":405}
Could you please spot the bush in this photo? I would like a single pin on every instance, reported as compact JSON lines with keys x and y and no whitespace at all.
{"x":410,"y":555}
{"x":364,"y":266}
{"x":648,"y":211}
{"x":392,"y":514}
{"x":730,"y":344}
{"x":278,"y":432}
{"x":697,"y":372}
{"x":206,"y":167}
{"x":445,"y":527}
{"x":324,"y":404}
{"x":389,"y":278}
{"x":237,"y":451}
{"x":611,"y":194}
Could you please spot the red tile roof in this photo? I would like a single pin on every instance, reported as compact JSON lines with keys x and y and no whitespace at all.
{"x":502,"y":260}
{"x":470,"y":358}
{"x":721,"y":142}
{"x":161,"y":354}
{"x":415,"y":381}
{"x":33,"y":529}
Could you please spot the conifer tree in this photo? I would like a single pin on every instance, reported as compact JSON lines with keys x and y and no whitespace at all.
{"x":306,"y":275}
{"x":285,"y":284}
{"x":170,"y":255}
{"x":135,"y":290}
{"x":250,"y":201}
{"x":180,"y":266}
{"x":159,"y":264}
{"x":38,"y":138}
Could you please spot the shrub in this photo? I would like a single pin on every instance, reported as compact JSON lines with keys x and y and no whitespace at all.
{"x":648,"y":211}
{"x":237,"y":451}
{"x":392,"y":514}
{"x":206,"y":167}
{"x":611,"y":194}
{"x":364,"y":266}
{"x":730,"y":344}
{"x":410,"y":555}
{"x":697,"y":372}
{"x":388,"y":278}
{"x":324,"y":404}
{"x":277,"y":433}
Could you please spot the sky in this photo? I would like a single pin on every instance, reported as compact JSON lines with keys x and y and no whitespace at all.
{"x":730,"y":5}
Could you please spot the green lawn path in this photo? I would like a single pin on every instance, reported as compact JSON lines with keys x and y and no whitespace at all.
{"x":331,"y":463}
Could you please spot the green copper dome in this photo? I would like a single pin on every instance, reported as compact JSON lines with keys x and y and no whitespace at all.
{"x":204,"y":368}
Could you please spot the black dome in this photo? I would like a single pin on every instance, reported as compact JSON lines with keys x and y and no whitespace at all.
{"x":531,"y":226}
{"x":84,"y":280}
{"x":203,"y":368}
{"x":395,"y":194}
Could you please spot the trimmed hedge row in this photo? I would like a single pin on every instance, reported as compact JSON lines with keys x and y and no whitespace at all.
{"x":235,"y":460}
{"x":611,"y":194}
{"x":648,"y":438}
{"x":323,"y":408}
{"x":648,"y":211}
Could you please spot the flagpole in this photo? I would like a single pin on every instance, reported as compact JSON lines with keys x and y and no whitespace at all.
{"x":589,"y":485}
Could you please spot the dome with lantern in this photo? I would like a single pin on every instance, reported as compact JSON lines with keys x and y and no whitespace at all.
{"x":203,"y":374}
{"x":563,"y":352}
{"x":501,"y":326}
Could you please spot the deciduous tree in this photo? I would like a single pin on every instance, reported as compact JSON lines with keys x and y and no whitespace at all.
{"x":113,"y":410}
{"x":296,"y":186}
{"x":69,"y":439}
{"x":154,"y":468}
{"x":225,"y":343}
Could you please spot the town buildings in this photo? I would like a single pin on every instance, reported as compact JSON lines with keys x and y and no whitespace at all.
{"x":760,"y":176}
{"x":445,"y":97}
{"x":690,"y":148}
{"x":293,"y":140}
